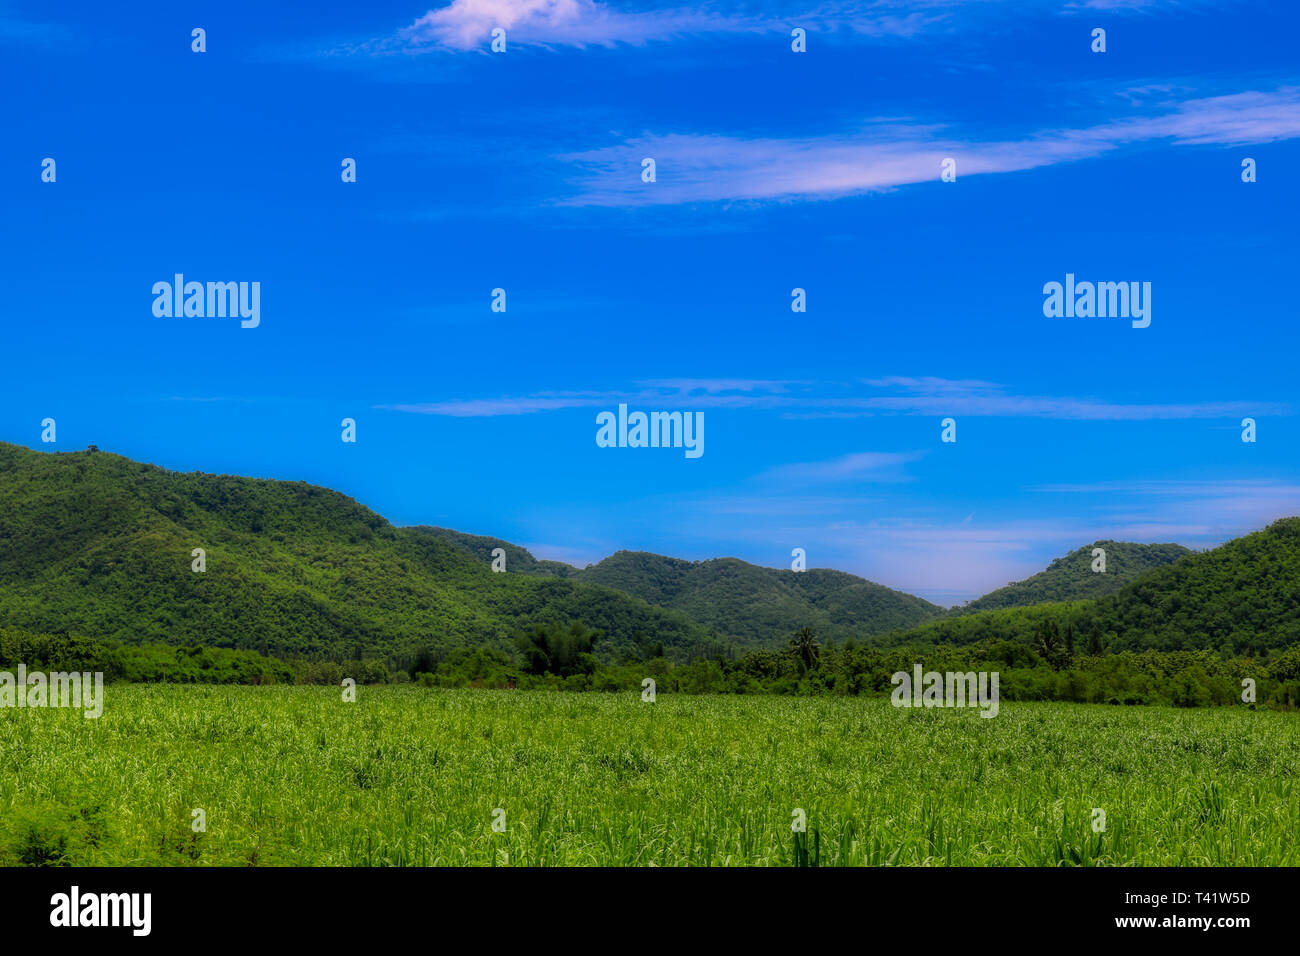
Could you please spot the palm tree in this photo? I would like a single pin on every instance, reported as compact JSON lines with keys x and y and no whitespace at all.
{"x":805,"y":647}
{"x":1049,"y":646}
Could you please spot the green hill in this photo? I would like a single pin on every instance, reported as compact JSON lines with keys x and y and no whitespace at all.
{"x":765,"y":606}
{"x":1244,"y":594}
{"x":95,"y":544}
{"x":1071,"y":578}
{"x":1239,"y":597}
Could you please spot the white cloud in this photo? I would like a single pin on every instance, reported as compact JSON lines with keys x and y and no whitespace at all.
{"x":467,"y":24}
{"x":711,"y":168}
{"x":872,"y":465}
{"x":901,"y":395}
{"x":1188,"y":511}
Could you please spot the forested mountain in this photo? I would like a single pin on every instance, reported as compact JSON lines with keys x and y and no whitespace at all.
{"x":767,"y":604}
{"x":1239,"y":597}
{"x":96,"y":544}
{"x":1071,"y":578}
{"x":764,"y":605}
{"x":1244,"y":594}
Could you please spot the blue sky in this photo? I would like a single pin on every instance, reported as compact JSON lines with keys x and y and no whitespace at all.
{"x":775,"y":170}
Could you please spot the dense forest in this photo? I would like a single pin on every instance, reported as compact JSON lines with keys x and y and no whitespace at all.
{"x":758,"y":606}
{"x":1050,"y":667}
{"x":1238,"y":599}
{"x":560,"y":658}
{"x":98,"y":545}
{"x":1071,"y":578}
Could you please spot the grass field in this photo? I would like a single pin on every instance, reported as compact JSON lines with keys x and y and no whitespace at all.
{"x":408,"y":776}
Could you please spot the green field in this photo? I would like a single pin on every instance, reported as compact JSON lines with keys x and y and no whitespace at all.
{"x":411,"y":776}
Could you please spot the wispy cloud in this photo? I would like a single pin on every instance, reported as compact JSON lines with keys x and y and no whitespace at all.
{"x":1189,"y":488}
{"x":1128,"y":6}
{"x":467,"y":24}
{"x":890,"y":395}
{"x":203,"y":398}
{"x":951,"y":559}
{"x":709,"y":392}
{"x":873,"y":465}
{"x":695,"y":167}
{"x":464,"y":25}
{"x":506,"y":405}
{"x":1186,"y":510}
{"x":718,"y":386}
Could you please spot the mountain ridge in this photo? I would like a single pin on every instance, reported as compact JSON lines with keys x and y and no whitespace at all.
{"x":1240,"y":597}
{"x":735,"y":597}
{"x":99,"y":545}
{"x":1071,"y":577}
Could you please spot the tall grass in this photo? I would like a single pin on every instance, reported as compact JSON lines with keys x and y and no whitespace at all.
{"x":410,"y":777}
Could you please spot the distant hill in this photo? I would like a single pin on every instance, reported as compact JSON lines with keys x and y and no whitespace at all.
{"x":764,"y":606}
{"x":95,"y":544}
{"x":1241,"y":596}
{"x":1071,"y":578}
